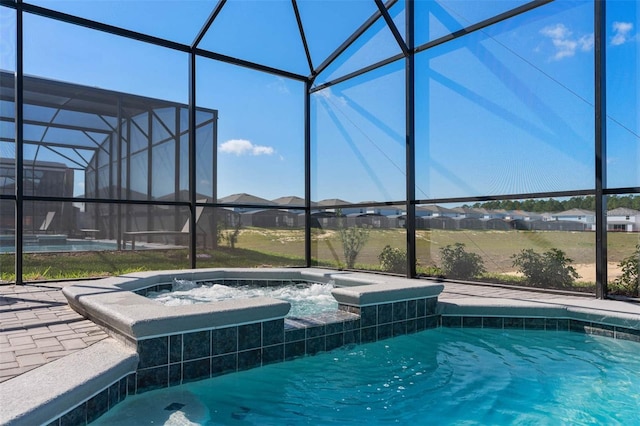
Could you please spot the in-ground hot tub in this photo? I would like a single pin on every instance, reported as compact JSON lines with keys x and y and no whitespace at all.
{"x":178,"y":344}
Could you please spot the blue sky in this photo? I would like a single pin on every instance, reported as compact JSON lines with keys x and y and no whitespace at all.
{"x":505,"y":110}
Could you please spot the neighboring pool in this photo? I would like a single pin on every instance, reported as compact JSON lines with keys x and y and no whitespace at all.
{"x":439,"y":376}
{"x":306,"y":298}
{"x":71,"y":245}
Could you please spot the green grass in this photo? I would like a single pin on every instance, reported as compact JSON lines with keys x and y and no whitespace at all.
{"x":495,"y":247}
{"x":277,"y":247}
{"x":58,"y":266}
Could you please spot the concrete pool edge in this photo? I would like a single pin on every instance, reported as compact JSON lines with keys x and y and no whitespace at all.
{"x":37,"y":396}
{"x":113,"y":303}
{"x":586,"y":310}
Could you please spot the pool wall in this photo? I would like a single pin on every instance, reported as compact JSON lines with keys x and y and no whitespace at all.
{"x":550,"y":316}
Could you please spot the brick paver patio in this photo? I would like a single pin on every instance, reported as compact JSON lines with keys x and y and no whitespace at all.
{"x":37,"y":326}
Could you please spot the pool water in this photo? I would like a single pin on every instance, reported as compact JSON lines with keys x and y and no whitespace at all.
{"x":305,"y":298}
{"x":439,"y":376}
{"x":71,"y":245}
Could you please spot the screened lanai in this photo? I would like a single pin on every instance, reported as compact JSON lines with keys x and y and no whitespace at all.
{"x":246,"y":133}
{"x":111,"y":145}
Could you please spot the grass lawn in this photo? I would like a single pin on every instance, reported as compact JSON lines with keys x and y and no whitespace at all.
{"x":277,"y":247}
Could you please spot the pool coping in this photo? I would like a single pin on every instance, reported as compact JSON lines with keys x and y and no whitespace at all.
{"x":586,"y":310}
{"x":114,"y":304}
{"x":35,"y":397}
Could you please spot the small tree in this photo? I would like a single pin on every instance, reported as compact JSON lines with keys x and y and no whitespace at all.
{"x":393,"y":260}
{"x":629,"y":281}
{"x":353,"y":240}
{"x":550,"y":269}
{"x":458,"y":264}
{"x":232,"y":235}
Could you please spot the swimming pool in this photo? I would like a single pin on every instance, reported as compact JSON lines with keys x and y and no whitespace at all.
{"x":306,"y":298}
{"x":63,"y":245}
{"x":438,"y":376}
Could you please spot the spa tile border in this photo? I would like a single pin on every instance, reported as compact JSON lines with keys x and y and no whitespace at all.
{"x":175,"y":359}
{"x":96,"y":406}
{"x":539,"y":323}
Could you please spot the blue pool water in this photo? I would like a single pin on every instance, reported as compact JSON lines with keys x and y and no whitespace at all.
{"x":440,"y":376}
{"x":71,"y":245}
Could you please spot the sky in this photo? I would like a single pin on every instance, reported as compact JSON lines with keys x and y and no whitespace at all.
{"x":505,"y":110}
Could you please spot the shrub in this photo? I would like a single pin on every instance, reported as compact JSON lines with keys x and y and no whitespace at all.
{"x":629,"y":282}
{"x":231,"y":236}
{"x":393,"y":260}
{"x":549,"y":269}
{"x":353,"y":239}
{"x":458,"y":264}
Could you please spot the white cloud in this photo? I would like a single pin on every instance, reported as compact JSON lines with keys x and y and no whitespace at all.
{"x":586,"y":42}
{"x":329,"y":96}
{"x":565,"y":43}
{"x":279,"y":85}
{"x":621,"y":33}
{"x":245,"y":147}
{"x":558,"y":31}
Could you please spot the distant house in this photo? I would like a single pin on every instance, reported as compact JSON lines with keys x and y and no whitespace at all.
{"x":470,"y":223}
{"x":270,"y":218}
{"x":246,"y":202}
{"x":289,"y":212}
{"x":327,"y":205}
{"x":462,"y":212}
{"x":384,"y":210}
{"x":291,"y":202}
{"x":522,"y":215}
{"x":585,"y":217}
{"x":438,"y":222}
{"x":372,"y":220}
{"x":623,"y":219}
{"x":432,"y":210}
{"x":481,"y":213}
{"x":496,"y":224}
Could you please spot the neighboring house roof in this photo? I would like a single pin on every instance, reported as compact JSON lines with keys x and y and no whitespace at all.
{"x":575,"y":212}
{"x":245,"y":199}
{"x":273,"y":212}
{"x":435,"y":209}
{"x":479,"y":210}
{"x":364,"y":215}
{"x":623,"y":211}
{"x":291,"y":200}
{"x":332,"y":202}
{"x":183,"y":195}
{"x":464,"y":210}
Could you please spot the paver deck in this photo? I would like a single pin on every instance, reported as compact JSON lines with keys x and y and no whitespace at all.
{"x":37,"y":326}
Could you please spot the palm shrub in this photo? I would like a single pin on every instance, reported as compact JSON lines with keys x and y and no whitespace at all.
{"x":460,"y":265}
{"x":353,"y":240}
{"x":393,"y":260}
{"x":232,"y":235}
{"x":549,"y":269}
{"x":629,"y":282}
